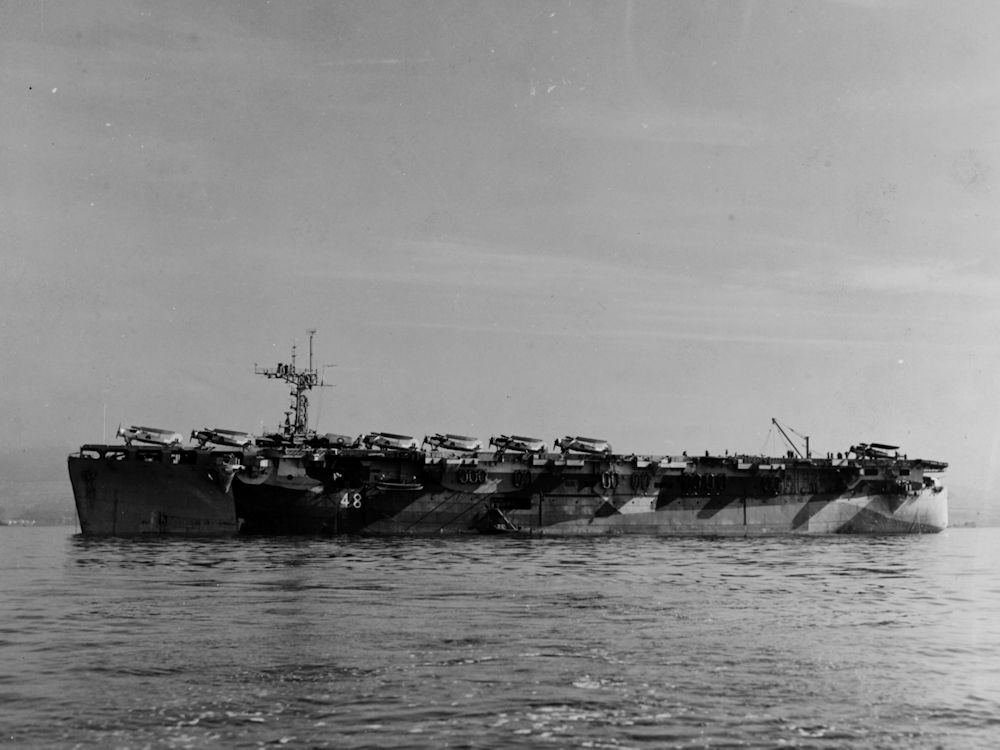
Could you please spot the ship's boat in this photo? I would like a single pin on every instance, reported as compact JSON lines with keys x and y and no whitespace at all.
{"x":294,"y":481}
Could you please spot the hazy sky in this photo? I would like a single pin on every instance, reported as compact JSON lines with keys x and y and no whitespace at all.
{"x":655,"y":223}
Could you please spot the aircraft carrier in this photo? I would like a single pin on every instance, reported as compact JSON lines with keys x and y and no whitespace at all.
{"x":294,"y":480}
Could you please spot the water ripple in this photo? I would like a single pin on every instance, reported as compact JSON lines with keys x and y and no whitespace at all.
{"x":482,"y":642}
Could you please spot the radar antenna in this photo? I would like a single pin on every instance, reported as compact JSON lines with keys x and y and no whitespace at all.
{"x":302,"y":381}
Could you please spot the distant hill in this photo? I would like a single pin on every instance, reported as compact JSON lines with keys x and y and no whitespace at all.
{"x":969,"y":507}
{"x":34,"y":486}
{"x":42,"y":501}
{"x":34,"y":464}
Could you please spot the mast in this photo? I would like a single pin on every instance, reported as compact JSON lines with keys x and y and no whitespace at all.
{"x":302,"y":381}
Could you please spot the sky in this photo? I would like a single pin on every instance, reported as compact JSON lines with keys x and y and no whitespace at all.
{"x":659,"y":224}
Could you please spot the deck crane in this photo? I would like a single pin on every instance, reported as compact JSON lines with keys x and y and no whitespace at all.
{"x":789,"y":440}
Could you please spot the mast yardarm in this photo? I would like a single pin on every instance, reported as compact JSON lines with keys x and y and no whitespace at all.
{"x":302,"y":381}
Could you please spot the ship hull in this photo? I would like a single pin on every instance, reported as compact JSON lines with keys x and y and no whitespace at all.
{"x":199,"y":492}
{"x":443,"y":514}
{"x":664,"y":496}
{"x":403,"y":495}
{"x":130,"y":492}
{"x":273,"y":509}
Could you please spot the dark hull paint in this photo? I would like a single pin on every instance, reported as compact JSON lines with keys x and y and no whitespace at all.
{"x":271,"y":509}
{"x":127,"y":495}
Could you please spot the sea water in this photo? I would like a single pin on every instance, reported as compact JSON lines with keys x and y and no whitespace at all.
{"x":493,"y":641}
